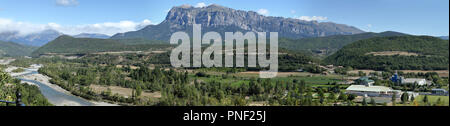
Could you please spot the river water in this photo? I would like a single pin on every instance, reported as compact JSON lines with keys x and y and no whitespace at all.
{"x":56,"y":97}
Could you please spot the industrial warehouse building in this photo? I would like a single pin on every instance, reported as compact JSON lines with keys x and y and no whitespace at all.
{"x":372,"y":91}
{"x":419,"y":81}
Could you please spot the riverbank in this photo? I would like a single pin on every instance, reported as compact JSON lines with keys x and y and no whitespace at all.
{"x":46,"y":81}
{"x":55,"y":94}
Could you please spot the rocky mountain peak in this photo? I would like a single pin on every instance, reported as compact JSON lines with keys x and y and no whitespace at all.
{"x":223,"y":19}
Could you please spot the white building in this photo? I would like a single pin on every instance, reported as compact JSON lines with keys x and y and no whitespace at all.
{"x":419,"y":81}
{"x":372,"y":91}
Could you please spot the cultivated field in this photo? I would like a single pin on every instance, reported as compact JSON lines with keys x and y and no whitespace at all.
{"x":126,"y":92}
{"x":391,"y":53}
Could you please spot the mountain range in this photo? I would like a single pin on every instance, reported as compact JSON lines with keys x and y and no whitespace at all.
{"x":41,"y":38}
{"x":212,"y":18}
{"x":222,"y":19}
{"x":33,"y":39}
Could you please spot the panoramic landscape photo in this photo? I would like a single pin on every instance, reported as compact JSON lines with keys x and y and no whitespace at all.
{"x":224,"y":53}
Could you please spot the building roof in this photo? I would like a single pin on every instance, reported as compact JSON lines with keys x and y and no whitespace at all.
{"x":438,"y":90}
{"x":369,"y":88}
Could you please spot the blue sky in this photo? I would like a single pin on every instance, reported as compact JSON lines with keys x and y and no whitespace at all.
{"x":418,"y":17}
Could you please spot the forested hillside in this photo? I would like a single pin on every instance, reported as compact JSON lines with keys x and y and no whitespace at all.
{"x":14,"y":49}
{"x":67,"y":44}
{"x":395,"y":53}
{"x":330,"y":44}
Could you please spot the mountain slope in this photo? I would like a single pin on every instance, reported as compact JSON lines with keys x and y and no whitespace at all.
{"x":395,"y":53}
{"x":33,"y":39}
{"x":70,"y":45}
{"x":222,"y":19}
{"x":330,"y":44}
{"x":14,"y":49}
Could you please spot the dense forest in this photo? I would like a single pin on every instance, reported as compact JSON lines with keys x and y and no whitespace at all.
{"x":11,"y":49}
{"x":69,"y":45}
{"x":408,"y":53}
{"x":330,"y":44}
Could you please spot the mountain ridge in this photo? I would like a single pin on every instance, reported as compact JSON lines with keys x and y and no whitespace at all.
{"x":223,"y":19}
{"x":33,"y":39}
{"x":394,"y":53}
{"x":9,"y":49}
{"x":330,"y":44}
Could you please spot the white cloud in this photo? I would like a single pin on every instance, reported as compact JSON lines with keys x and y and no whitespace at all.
{"x":200,"y":5}
{"x":108,"y":28}
{"x":313,"y":18}
{"x":293,"y":12}
{"x":263,"y":11}
{"x":66,"y":2}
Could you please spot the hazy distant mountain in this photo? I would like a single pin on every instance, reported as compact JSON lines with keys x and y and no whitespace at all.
{"x":14,"y":49}
{"x":33,"y":39}
{"x":93,"y":35}
{"x":222,"y":19}
{"x":444,"y":37}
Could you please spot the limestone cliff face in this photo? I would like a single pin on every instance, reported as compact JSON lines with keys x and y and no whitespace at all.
{"x":222,"y":19}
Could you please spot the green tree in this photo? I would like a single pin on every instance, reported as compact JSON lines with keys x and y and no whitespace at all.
{"x":438,"y":102}
{"x":138,"y":91}
{"x":425,"y":99}
{"x":332,"y":97}
{"x":404,"y":98}
{"x":342,"y":96}
{"x":364,"y":102}
{"x":394,"y":98}
{"x":372,"y":102}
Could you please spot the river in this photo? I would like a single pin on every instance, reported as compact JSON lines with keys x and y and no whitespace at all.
{"x":54,"y":95}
